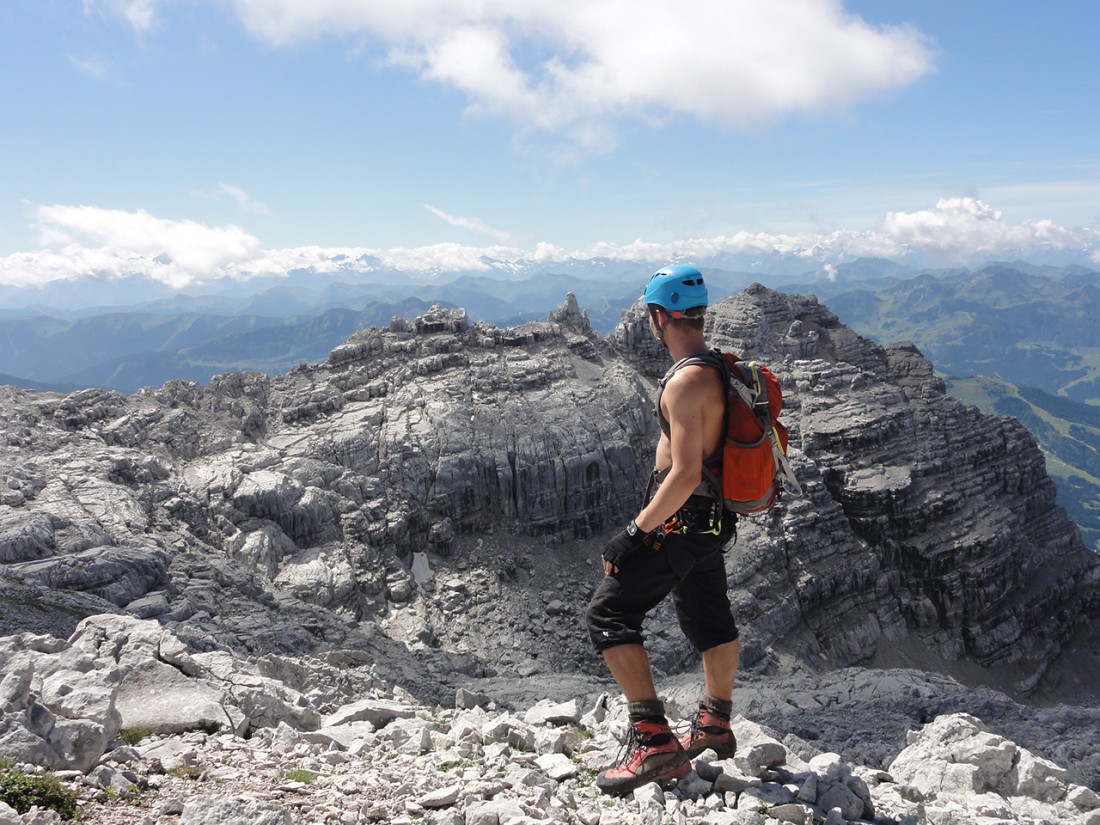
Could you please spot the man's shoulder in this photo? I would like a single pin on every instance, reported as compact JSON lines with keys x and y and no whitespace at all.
{"x":694,"y":378}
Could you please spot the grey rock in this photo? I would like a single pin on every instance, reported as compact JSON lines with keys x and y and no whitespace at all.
{"x":955,"y":754}
{"x":233,"y":811}
{"x":792,"y":812}
{"x":24,"y":536}
{"x":549,"y":713}
{"x":118,"y":574}
{"x":734,"y":782}
{"x":377,"y":712}
{"x":757,"y":751}
{"x":468,"y":699}
{"x":557,"y":766}
{"x":1084,"y":799}
{"x":442,"y":797}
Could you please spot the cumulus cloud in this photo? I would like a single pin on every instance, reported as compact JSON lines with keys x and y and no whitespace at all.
{"x":110,"y":243}
{"x":574,"y":67}
{"x":478,"y":227}
{"x":962,"y":227}
{"x":90,"y":242}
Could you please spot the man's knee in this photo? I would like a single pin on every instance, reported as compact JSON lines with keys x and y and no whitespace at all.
{"x":608,"y":629}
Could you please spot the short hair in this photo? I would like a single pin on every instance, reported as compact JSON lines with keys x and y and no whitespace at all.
{"x":694,"y":318}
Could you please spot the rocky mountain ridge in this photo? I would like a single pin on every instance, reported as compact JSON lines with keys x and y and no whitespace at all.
{"x":432,"y":498}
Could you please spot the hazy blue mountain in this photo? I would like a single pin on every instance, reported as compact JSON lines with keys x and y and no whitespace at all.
{"x":48,"y":349}
{"x":270,"y":348}
{"x":37,"y":386}
{"x":87,"y":292}
{"x":1027,"y":329}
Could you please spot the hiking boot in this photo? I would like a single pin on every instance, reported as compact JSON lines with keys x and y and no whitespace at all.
{"x":651,"y":753}
{"x":709,"y":730}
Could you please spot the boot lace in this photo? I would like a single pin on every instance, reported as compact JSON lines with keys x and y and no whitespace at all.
{"x":630,"y":743}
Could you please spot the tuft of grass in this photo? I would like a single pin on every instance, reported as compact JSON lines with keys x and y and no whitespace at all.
{"x":22,"y":792}
{"x":186,"y":771}
{"x":131,"y":736}
{"x":299,"y":775}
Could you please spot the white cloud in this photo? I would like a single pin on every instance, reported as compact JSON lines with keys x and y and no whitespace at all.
{"x":576,"y":66}
{"x":961,"y":227}
{"x":242,"y":198}
{"x":95,"y":67}
{"x":110,"y":243}
{"x":478,"y":227}
{"x":140,"y":14}
{"x":90,"y":242}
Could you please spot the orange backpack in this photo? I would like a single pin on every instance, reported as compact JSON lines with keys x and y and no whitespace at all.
{"x":752,"y":468}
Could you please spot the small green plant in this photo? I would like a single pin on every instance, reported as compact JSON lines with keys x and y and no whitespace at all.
{"x":462,"y":765}
{"x":131,"y":736}
{"x":23,"y":791}
{"x":186,"y":771}
{"x":300,"y":775}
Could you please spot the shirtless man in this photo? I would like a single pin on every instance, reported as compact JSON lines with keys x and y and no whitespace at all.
{"x":674,"y":544}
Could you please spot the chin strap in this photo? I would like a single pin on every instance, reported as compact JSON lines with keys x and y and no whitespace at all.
{"x":657,"y":324}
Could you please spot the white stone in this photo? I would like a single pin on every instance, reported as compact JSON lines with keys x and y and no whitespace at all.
{"x":1083,"y":798}
{"x":557,"y":766}
{"x":649,"y":795}
{"x":205,"y":810}
{"x":8,"y":815}
{"x":548,"y":713}
{"x":757,"y":751}
{"x":442,"y":797}
{"x":1035,"y":777}
{"x":378,"y":712}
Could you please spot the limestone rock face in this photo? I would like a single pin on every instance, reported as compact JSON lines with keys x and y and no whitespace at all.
{"x":445,"y":486}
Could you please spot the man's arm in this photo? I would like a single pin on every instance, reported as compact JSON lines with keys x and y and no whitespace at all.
{"x":683,"y":399}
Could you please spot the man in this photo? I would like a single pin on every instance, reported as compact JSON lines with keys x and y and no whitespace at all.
{"x":674,"y":544}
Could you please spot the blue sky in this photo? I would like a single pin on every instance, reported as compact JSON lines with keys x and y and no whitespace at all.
{"x":189,"y":140}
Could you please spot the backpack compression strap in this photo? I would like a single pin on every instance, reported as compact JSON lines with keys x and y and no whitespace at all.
{"x":757,"y":399}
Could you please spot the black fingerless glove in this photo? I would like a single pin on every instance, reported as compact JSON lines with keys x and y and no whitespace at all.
{"x":624,"y":545}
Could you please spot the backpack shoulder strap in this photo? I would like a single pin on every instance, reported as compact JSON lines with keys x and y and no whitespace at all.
{"x":710,"y":359}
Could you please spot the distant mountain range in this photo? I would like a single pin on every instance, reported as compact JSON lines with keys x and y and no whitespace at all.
{"x":1027,"y":329}
{"x":193,"y":337}
{"x":1031,"y":328}
{"x":126,"y":351}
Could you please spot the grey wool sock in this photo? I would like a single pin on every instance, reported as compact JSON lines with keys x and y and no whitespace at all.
{"x":722,"y":708}
{"x":647,"y":709}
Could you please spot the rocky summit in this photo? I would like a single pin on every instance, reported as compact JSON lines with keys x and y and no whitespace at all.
{"x":355,"y":592}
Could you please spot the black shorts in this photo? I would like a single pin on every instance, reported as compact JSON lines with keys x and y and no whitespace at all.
{"x":691,"y":567}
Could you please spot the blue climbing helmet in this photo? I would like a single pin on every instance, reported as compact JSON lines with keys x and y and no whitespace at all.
{"x":676,"y":289}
